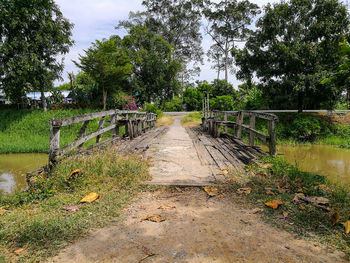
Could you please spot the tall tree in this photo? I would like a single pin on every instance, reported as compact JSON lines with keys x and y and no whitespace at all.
{"x":178,"y":22}
{"x":155,"y":71}
{"x":108,"y":64}
{"x":228,"y":23}
{"x":294,"y":42}
{"x":33,"y":33}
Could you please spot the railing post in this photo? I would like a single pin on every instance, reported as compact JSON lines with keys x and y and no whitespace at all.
{"x":272,"y":139}
{"x":225,"y":119}
{"x":114,"y":120}
{"x":54,"y":142}
{"x":252,"y":126}
{"x":100,"y":126}
{"x":239,"y":121}
{"x":82,"y":131}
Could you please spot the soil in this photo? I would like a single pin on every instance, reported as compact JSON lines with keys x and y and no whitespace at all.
{"x":196,"y":228}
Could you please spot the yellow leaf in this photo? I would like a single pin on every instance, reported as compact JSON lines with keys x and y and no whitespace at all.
{"x":74,"y":174}
{"x":274,"y":204}
{"x":347,"y":226}
{"x":268,"y":191}
{"x":19,"y":251}
{"x":244,"y":190}
{"x":90,"y":198}
{"x":222,"y":172}
{"x":335,"y":217}
{"x":211,"y":191}
{"x":154,"y":218}
{"x":266,"y":165}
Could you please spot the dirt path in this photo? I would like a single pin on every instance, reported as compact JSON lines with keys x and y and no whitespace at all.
{"x":175,"y":159}
{"x":196,"y":228}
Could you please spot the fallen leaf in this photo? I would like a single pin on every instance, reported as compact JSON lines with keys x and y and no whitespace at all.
{"x":264,"y":173}
{"x":19,"y":251}
{"x":347,"y":226}
{"x":335,"y":217}
{"x":2,"y":211}
{"x":90,"y":198}
{"x":164,"y":207}
{"x":317,"y":200}
{"x":298,"y":197}
{"x":284,"y":215}
{"x":74,"y":174}
{"x":244,"y":190}
{"x":274,"y":204}
{"x":283,"y":189}
{"x":71,"y":208}
{"x":222,"y":172}
{"x":256,"y":210}
{"x":211,"y":191}
{"x":154,"y":218}
{"x":265,"y":165}
{"x":268,"y":191}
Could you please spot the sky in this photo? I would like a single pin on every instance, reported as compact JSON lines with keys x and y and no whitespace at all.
{"x":96,"y":19}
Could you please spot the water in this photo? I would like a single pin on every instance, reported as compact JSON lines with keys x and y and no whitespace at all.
{"x":13,"y":169}
{"x":330,"y":161}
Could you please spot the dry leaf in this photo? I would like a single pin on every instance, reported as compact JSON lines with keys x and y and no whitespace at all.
{"x":284,"y":215}
{"x":268,"y":191}
{"x":265,"y":165}
{"x":2,"y":211}
{"x":148,"y":253}
{"x":71,"y":208}
{"x":335,"y":217}
{"x":244,"y":190}
{"x":347,"y":226}
{"x":19,"y":251}
{"x":274,"y":204}
{"x":298,"y":197}
{"x":222,"y":172}
{"x":256,"y":210}
{"x":211,"y":191}
{"x":90,"y":198}
{"x":74,"y":174}
{"x":164,"y":207}
{"x":154,"y":218}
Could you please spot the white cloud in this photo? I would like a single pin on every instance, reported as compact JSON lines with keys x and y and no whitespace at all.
{"x":96,"y":19}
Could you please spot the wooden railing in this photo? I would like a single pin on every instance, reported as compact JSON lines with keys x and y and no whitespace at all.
{"x":135,"y":123}
{"x":212,"y":121}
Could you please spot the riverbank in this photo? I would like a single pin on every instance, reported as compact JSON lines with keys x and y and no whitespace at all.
{"x":300,"y":213}
{"x":34,"y":224}
{"x":28,"y":131}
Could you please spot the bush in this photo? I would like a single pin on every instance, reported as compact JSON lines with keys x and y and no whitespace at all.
{"x":174,"y":105}
{"x":224,"y":103}
{"x":193,"y":99}
{"x":149,"y":107}
{"x":305,"y":128}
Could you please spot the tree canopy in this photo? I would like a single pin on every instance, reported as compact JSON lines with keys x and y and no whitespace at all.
{"x":294,"y":43}
{"x":32,"y":34}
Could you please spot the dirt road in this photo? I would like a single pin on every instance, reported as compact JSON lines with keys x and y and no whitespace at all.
{"x":196,"y":228}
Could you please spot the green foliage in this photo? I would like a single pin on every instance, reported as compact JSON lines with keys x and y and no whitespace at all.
{"x":224,"y":103}
{"x":294,"y":43}
{"x":174,"y":105}
{"x":154,"y":109}
{"x":33,"y":34}
{"x":155,"y":71}
{"x":108,"y":65}
{"x":192,"y":119}
{"x":193,"y":99}
{"x":305,"y":128}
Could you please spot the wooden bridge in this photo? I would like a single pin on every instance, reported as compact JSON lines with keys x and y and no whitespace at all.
{"x":217,"y":143}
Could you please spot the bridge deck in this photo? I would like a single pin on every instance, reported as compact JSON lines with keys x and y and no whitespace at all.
{"x":226,"y":151}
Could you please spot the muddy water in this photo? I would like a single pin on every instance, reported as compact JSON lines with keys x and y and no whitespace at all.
{"x":326,"y":160}
{"x":13,"y":169}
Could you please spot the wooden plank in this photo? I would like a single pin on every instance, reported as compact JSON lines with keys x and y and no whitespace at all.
{"x":217,"y":157}
{"x":100,"y":126}
{"x":54,"y":142}
{"x":82,"y":131}
{"x":272,"y":140}
{"x":75,"y":143}
{"x":251,"y":133}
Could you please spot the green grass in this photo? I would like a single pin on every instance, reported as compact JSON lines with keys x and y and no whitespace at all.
{"x":303,"y":219}
{"x":192,"y":119}
{"x":23,"y":131}
{"x":34,"y":219}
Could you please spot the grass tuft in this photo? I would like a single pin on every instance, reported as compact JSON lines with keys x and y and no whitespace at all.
{"x":192,"y":119}
{"x":165,"y":120}
{"x":34,"y":219}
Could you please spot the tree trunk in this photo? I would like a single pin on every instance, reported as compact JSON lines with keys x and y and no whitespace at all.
{"x":218,"y":68}
{"x":300,"y":101}
{"x":226,"y":62}
{"x":104,"y":94}
{"x":43,"y":100}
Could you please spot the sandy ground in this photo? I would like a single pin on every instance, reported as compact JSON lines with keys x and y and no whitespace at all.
{"x":196,"y":229}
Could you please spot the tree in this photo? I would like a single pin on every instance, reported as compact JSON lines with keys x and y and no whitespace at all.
{"x":32,"y":34}
{"x":228,"y":23}
{"x":193,"y":99}
{"x":155,"y":71}
{"x":216,"y":56}
{"x":108,"y":64}
{"x":178,"y":22}
{"x":294,"y":43}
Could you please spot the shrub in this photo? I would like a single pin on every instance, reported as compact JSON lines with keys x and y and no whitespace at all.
{"x":174,"y":105}
{"x":305,"y":128}
{"x":149,"y":107}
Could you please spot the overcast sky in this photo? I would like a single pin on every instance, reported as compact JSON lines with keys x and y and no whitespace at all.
{"x":96,"y":19}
